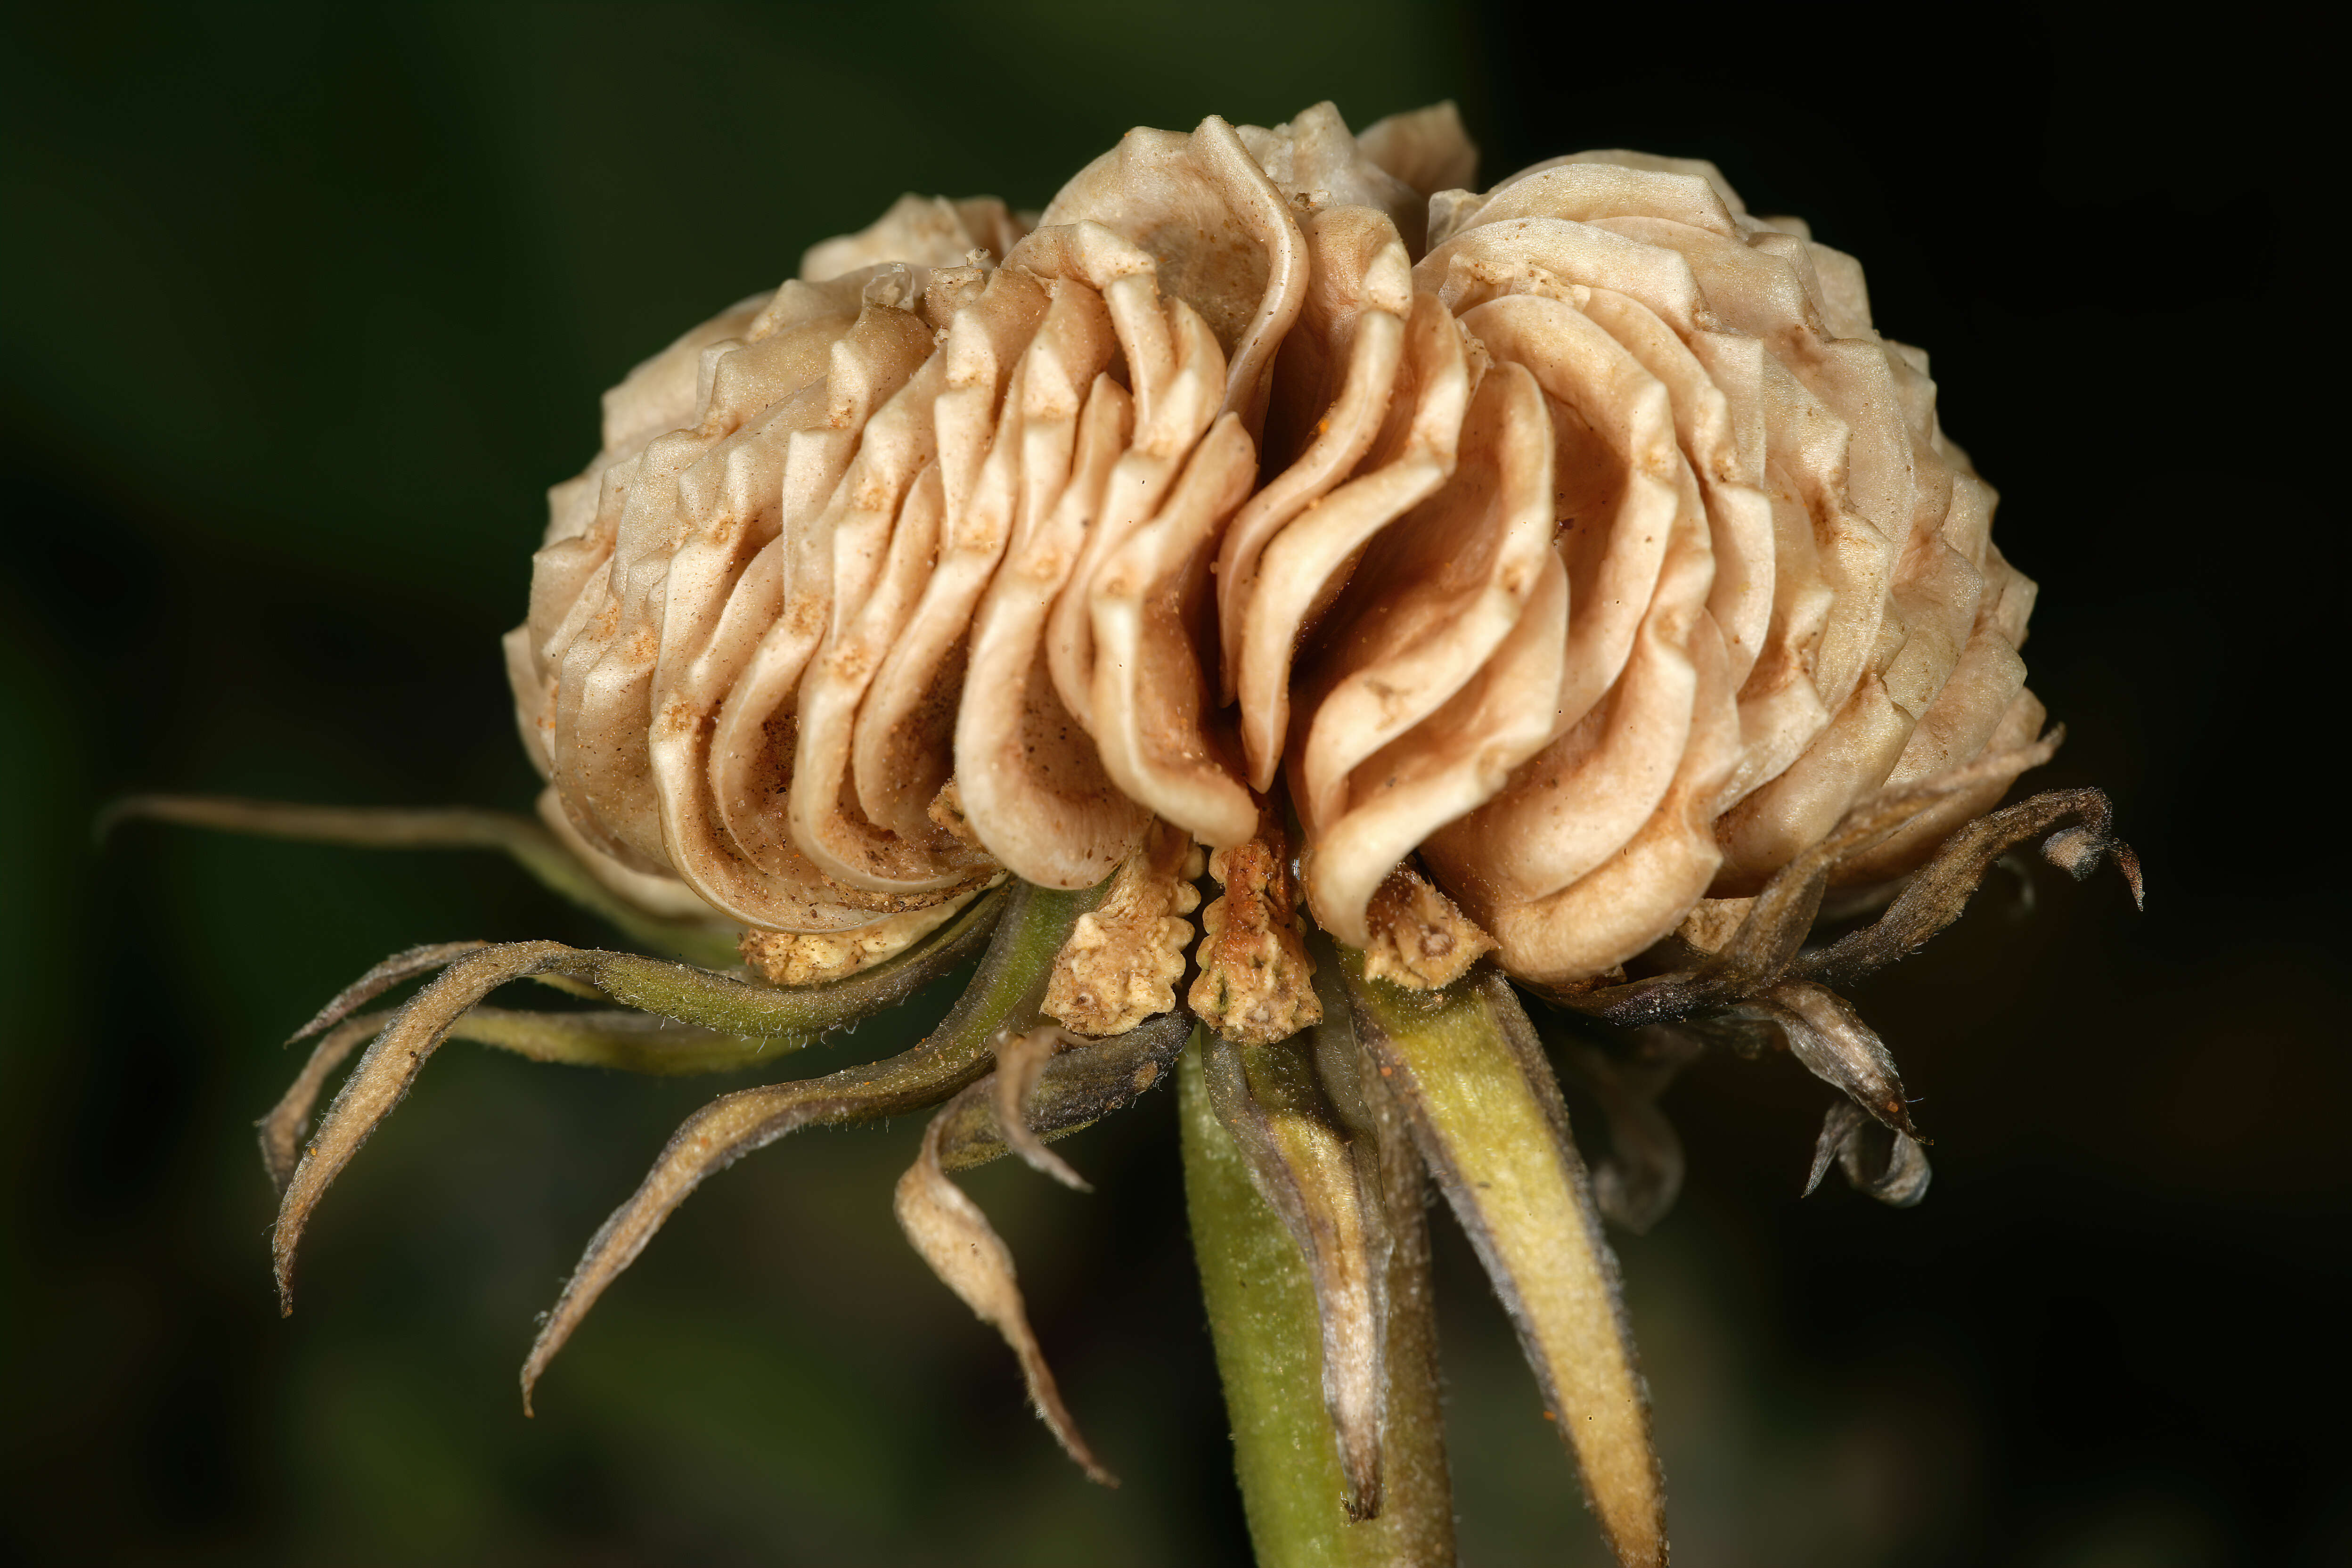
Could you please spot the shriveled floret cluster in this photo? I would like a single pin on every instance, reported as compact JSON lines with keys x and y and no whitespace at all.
{"x":1574,"y":553}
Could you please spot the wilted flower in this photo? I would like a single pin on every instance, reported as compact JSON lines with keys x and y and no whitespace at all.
{"x":1567,"y":573}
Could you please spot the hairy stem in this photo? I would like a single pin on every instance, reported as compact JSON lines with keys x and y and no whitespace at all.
{"x":1261,"y":1302}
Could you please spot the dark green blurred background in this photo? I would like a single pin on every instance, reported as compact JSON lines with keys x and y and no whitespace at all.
{"x":301,"y":308}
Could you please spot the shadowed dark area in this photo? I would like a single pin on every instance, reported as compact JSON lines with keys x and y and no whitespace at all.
{"x":300,"y":309}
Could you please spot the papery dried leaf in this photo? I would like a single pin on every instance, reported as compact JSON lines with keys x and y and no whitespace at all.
{"x":953,"y":1235}
{"x":1825,"y":1034}
{"x":1021,"y":1060}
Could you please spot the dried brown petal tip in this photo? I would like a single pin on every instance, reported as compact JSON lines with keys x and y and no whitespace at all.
{"x":1256,"y":982}
{"x":812,"y":957}
{"x":946,"y":814}
{"x":1420,"y":941}
{"x":1709,"y":928}
{"x":1123,"y":959}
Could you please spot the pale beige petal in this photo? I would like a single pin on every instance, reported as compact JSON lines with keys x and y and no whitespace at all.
{"x":1317,"y":166}
{"x":921,"y":231}
{"x":1620,"y":481}
{"x":1436,"y":593}
{"x":1174,"y":409}
{"x":1909,"y":845}
{"x":1625,"y":157}
{"x":754,"y":745}
{"x":693,"y":688}
{"x":1333,"y":385}
{"x":1220,"y":236}
{"x":1426,"y":148}
{"x":1154,"y":711}
{"x":1450,"y":763}
{"x":906,"y":727}
{"x":1304,"y":565}
{"x":1548,"y":256}
{"x":1590,"y":791}
{"x":1031,"y":784}
{"x":1645,"y":890}
{"x":1729,"y":472}
{"x":1582,"y":191}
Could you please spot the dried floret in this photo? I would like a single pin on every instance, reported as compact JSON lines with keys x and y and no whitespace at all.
{"x":1562,"y":583}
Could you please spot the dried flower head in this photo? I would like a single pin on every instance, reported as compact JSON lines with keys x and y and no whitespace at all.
{"x":1563,"y":583}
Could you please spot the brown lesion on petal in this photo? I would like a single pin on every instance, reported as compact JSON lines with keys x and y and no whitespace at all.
{"x":1256,"y":986}
{"x":1121,"y":963}
{"x":1420,"y":940}
{"x":946,"y":814}
{"x":812,"y":957}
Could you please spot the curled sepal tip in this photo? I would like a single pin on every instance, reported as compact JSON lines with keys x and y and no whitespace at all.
{"x":1487,"y":1117}
{"x":1888,"y":1165}
{"x":1021,"y":1061}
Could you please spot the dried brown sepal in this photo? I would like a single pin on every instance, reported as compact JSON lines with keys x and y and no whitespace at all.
{"x":948,"y":1229}
{"x":1940,"y":889}
{"x":1325,"y":1186}
{"x":1256,"y":981}
{"x":1420,"y":940}
{"x":1764,"y":946}
{"x":1077,"y":1089}
{"x":1002,"y":993}
{"x":1824,"y":1033}
{"x":1875,"y":1159}
{"x":1487,"y":1117}
{"x":1123,"y":959}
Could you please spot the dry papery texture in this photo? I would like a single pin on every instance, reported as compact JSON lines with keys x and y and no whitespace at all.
{"x":1578,"y":545}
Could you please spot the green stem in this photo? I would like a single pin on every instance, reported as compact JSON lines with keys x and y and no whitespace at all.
{"x":1262,"y":1314}
{"x":529,"y":844}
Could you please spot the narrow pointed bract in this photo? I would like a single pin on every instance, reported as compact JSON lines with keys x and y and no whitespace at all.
{"x":1004,"y":992}
{"x":1487,"y":1117}
{"x":624,"y":1041}
{"x":1326,"y":1194}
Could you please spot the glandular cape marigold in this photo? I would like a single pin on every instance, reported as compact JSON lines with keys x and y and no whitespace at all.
{"x":1563,"y":583}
